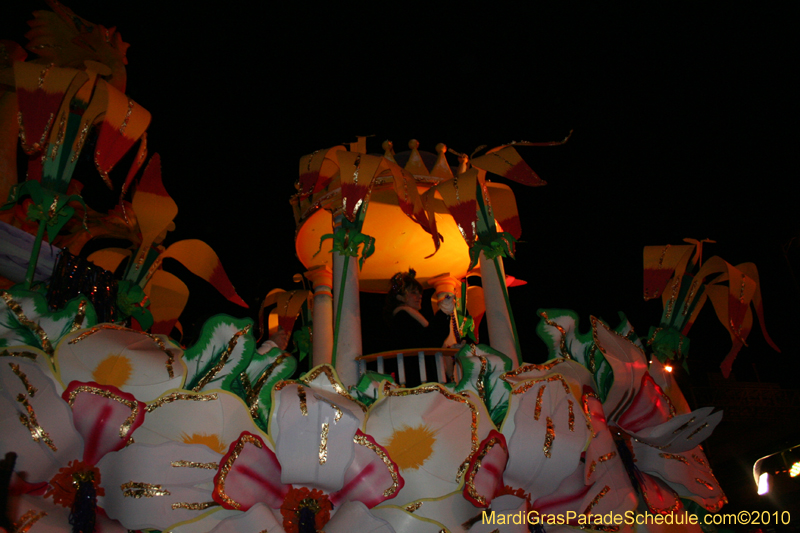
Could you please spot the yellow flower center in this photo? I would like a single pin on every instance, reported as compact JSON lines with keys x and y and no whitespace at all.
{"x":114,"y":370}
{"x":212,"y":441}
{"x":411,"y":447}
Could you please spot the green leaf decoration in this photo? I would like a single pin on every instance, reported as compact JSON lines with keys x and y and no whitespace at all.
{"x":129,"y":302}
{"x":481,"y":368}
{"x":223,"y":351}
{"x":302,"y":342}
{"x":255,"y":384}
{"x":667,"y":344}
{"x":369,"y":386}
{"x":25,"y":318}
{"x":560,"y":331}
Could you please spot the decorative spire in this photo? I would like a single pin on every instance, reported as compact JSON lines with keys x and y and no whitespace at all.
{"x":388,"y":150}
{"x":415,"y":164}
{"x":441,"y":169}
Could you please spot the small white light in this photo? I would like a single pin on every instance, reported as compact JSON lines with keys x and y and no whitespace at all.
{"x":795,"y":470}
{"x":763,"y":484}
{"x":668,"y":368}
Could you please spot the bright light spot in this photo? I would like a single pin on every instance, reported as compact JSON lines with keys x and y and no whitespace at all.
{"x":795,"y":470}
{"x":668,"y":368}
{"x":763,"y":484}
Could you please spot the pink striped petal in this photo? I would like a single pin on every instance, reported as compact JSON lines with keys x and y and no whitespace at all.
{"x":249,"y":474}
{"x":650,"y":407}
{"x":485,"y":472}
{"x":104,"y":416}
{"x":371,"y":478}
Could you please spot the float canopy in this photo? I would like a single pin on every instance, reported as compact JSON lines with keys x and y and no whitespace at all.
{"x":400,"y":243}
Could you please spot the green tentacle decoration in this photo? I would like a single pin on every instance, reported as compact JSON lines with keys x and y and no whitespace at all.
{"x":50,"y":209}
{"x":347,"y":240}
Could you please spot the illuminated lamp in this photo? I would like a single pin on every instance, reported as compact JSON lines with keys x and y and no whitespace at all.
{"x":763,"y":484}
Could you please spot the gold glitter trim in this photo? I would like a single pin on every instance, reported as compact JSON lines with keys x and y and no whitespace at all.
{"x":328,"y":371}
{"x":27,"y":355}
{"x":601,"y":459}
{"x":226,"y":468}
{"x":301,"y":394}
{"x":25,"y":321}
{"x":135,"y":489}
{"x":170,"y":360}
{"x":571,"y":415}
{"x":323,"y":444}
{"x":450,"y":396}
{"x":671,"y":509}
{"x":587,"y":413}
{"x":481,"y":374}
{"x":549,"y":438}
{"x":528,"y":384}
{"x":62,"y":126}
{"x":699,"y":459}
{"x":696,"y":431}
{"x":177,"y":396}
{"x":81,"y":140}
{"x":222,"y":360}
{"x":470,"y":480}
{"x":157,"y":340}
{"x":706,"y":484}
{"x":537,"y":412}
{"x":391,"y":491}
{"x":192,"y":464}
{"x":411,"y":507}
{"x":125,"y":428}
{"x":194,"y":506}
{"x":21,"y":375}
{"x":127,"y":117}
{"x":37,"y":432}
{"x":684,"y":426}
{"x":674,"y":457}
{"x":592,"y":363}
{"x":253,"y":391}
{"x":79,"y":316}
{"x":563,"y":342}
{"x":596,"y":499}
{"x":27,"y":521}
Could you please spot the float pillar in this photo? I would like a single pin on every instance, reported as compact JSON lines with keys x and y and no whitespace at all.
{"x":499,"y":321}
{"x":321,"y":279}
{"x":345,"y":298}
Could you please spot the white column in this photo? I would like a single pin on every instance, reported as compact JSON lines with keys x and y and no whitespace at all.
{"x":321,"y":279}
{"x":501,"y":333}
{"x":348,"y":341}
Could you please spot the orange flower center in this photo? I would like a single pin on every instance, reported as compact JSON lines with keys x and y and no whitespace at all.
{"x":64,"y":485}
{"x":305,"y":510}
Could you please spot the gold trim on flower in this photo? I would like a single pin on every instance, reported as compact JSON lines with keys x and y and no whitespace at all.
{"x":328,"y":371}
{"x":323,"y":444}
{"x":27,"y":355}
{"x":563,"y":342}
{"x":28,"y":520}
{"x":596,"y":499}
{"x":674,"y":456}
{"x":79,"y":316}
{"x":391,"y":491}
{"x":176,"y":396}
{"x":438,"y":388}
{"x":601,"y":459}
{"x":222,"y":360}
{"x":192,"y":464}
{"x":470,"y":480}
{"x":21,"y":375}
{"x":549,"y":438}
{"x":136,"y":489}
{"x":125,"y":428}
{"x":37,"y":432}
{"x":226,"y":468}
{"x":28,"y":323}
{"x":194,"y":506}
{"x":696,"y":431}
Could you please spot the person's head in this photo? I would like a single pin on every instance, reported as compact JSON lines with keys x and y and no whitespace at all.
{"x":404,"y":289}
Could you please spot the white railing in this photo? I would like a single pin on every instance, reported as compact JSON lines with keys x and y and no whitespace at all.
{"x":440,"y":354}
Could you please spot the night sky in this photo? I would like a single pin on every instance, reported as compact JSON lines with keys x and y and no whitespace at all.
{"x":683,"y":127}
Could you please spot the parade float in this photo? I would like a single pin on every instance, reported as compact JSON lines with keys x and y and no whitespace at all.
{"x":110,"y":424}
